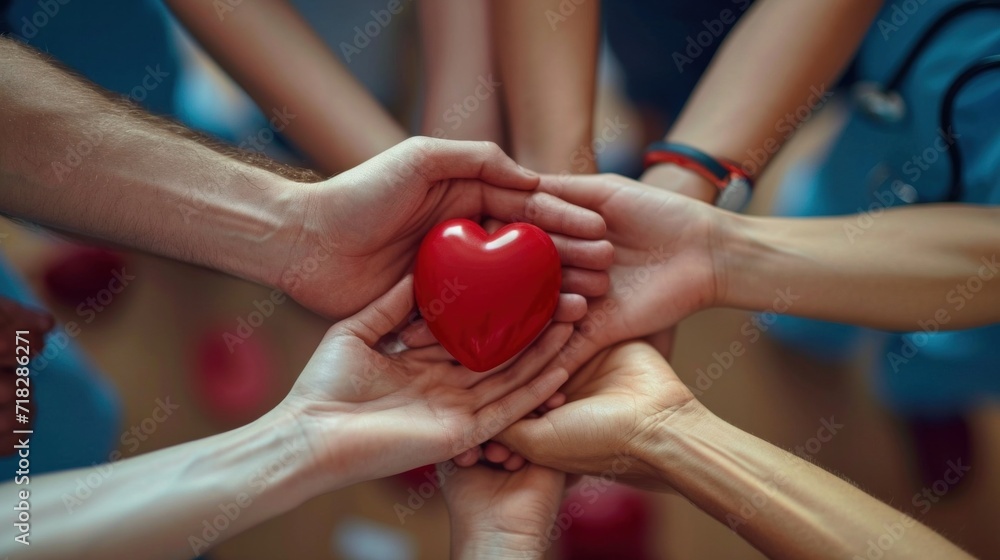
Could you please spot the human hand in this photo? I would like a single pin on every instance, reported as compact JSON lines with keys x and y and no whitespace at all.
{"x":359,"y":232}
{"x":613,"y":404}
{"x":369,"y":415}
{"x":16,"y":317}
{"x":500,"y":514}
{"x":665,"y":260}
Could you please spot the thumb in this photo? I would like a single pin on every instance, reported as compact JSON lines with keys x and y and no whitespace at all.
{"x":382,"y":315}
{"x":528,"y":438}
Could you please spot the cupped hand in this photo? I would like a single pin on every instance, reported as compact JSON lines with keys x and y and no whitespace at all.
{"x":665,"y":266}
{"x":495,"y":513}
{"x":369,"y":415}
{"x":612,"y":405}
{"x":360,"y":230}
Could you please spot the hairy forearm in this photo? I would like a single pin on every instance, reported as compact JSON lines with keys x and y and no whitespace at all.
{"x":273,"y":53}
{"x":914,"y":268}
{"x":549,"y":99}
{"x":745,"y":112}
{"x":173,"y":503}
{"x":782,"y":504}
{"x":75,"y":160}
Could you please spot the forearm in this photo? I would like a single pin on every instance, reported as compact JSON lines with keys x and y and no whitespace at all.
{"x":782,"y":504}
{"x":745,"y":112}
{"x":173,"y":503}
{"x":496,"y":545}
{"x":549,"y":99}
{"x":462,"y":99}
{"x":324,"y":111}
{"x":74,"y":160}
{"x":903,"y":269}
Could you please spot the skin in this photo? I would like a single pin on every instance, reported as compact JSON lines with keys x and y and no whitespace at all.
{"x":628,"y":402}
{"x":549,"y":100}
{"x":675,"y":256}
{"x":254,"y":219}
{"x":337,"y":124}
{"x":354,"y":414}
{"x":817,"y":42}
{"x":501,"y":514}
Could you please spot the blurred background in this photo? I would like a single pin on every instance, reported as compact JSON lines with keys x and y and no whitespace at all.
{"x":169,"y":333}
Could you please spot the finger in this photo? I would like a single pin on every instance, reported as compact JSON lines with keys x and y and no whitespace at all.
{"x":496,"y":385}
{"x":555,"y":401}
{"x":571,"y":308}
{"x":496,"y":453}
{"x":586,"y":191}
{"x":505,"y":411}
{"x":587,"y":283}
{"x":545,"y":211}
{"x":417,"y":335}
{"x":469,"y":457}
{"x":438,"y":160}
{"x":514,"y":463}
{"x":580,"y":253}
{"x":380,"y":316}
{"x":529,"y":438}
{"x":577,"y":351}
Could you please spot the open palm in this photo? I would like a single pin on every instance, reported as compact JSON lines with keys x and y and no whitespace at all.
{"x":369,"y":415}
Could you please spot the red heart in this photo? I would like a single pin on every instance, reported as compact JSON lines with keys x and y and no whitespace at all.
{"x":486,"y":297}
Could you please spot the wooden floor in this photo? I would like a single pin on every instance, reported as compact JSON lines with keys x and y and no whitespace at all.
{"x":144,"y":343}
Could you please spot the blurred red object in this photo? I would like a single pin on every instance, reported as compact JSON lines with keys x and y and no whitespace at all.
{"x":81,"y":272}
{"x":600,"y":520}
{"x":418,"y":476}
{"x":232,"y":382}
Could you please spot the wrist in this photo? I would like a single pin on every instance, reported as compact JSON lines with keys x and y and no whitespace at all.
{"x":682,"y":181}
{"x":248,"y":226}
{"x":747,"y":252}
{"x":489,"y":542}
{"x":665,"y":446}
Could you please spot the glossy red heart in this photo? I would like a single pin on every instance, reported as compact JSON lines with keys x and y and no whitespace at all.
{"x":486,"y":297}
